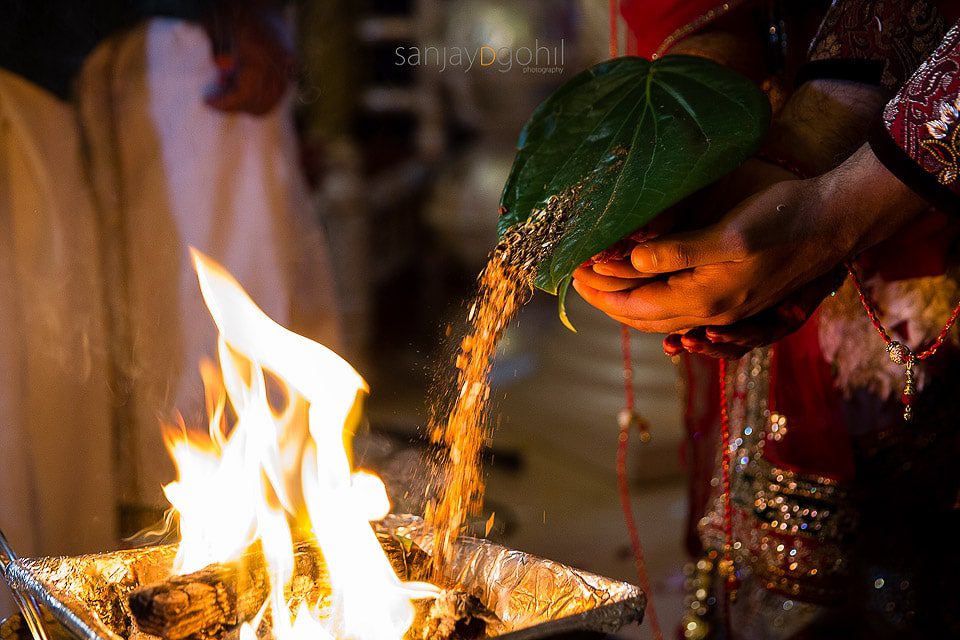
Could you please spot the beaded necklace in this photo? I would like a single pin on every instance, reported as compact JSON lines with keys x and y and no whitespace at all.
{"x":900,"y":353}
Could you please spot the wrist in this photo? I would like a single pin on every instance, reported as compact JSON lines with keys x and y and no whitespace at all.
{"x":866,"y":203}
{"x":823,"y":123}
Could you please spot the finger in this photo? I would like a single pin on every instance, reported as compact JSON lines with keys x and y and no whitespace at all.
{"x":603,"y":283}
{"x":678,"y":327}
{"x":707,"y":295}
{"x":776,"y":322}
{"x":613,"y":304}
{"x":681,"y":251}
{"x":724,"y":351}
{"x":750,"y":332}
{"x":694,"y":337}
{"x":617,"y":269}
{"x":673,"y":345}
{"x":695,"y":341}
{"x":664,"y":306}
{"x":759,"y":330}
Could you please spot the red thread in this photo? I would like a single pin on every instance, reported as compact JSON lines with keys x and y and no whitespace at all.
{"x":627,"y":368}
{"x":623,"y":438}
{"x":871,"y":308}
{"x":623,"y":483}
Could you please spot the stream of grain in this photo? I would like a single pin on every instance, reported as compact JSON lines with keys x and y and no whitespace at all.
{"x":460,"y":424}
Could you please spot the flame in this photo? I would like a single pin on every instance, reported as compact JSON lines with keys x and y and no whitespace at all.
{"x":275,"y":466}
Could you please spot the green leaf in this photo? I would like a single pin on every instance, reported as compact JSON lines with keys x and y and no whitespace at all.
{"x":638,"y":137}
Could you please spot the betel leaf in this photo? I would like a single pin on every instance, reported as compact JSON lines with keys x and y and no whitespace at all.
{"x":637,"y":137}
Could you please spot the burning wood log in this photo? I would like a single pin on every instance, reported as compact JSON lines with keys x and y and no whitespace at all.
{"x":218,"y":596}
{"x":454,"y":616}
{"x":223,"y":596}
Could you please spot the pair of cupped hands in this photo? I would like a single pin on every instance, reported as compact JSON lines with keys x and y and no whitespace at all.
{"x":736,"y":273}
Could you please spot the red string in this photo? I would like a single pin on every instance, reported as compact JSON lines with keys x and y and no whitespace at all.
{"x":871,"y":308}
{"x":868,"y":305}
{"x":623,"y":483}
{"x":627,"y":368}
{"x":614,"y":10}
{"x":926,"y":353}
{"x":623,"y":438}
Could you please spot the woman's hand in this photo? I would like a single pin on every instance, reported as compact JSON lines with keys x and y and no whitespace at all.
{"x":760,"y":330}
{"x":700,"y":210}
{"x":759,"y":253}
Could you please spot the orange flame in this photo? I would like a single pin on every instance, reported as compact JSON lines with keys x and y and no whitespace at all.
{"x":284,"y":467}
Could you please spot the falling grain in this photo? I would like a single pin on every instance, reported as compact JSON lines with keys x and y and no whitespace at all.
{"x":460,"y":426}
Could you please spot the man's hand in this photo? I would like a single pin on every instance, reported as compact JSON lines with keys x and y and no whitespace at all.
{"x":700,"y":210}
{"x":725,"y":272}
{"x":760,"y":252}
{"x":253,"y":57}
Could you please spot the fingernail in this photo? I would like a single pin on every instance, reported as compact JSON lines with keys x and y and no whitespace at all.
{"x":717,"y":336}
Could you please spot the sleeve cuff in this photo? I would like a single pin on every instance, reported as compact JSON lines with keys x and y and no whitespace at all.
{"x":923,"y":183}
{"x":853,"y":70}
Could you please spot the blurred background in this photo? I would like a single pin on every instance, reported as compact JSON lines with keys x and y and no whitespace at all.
{"x":406,"y":163}
{"x":123,"y":141}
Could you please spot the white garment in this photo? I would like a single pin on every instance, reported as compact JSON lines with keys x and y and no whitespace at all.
{"x":165,"y":172}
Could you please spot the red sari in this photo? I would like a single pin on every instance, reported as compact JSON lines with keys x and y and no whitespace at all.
{"x":656,"y":25}
{"x":844,"y":509}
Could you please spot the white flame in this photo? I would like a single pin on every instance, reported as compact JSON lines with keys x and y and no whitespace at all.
{"x":285,"y":465}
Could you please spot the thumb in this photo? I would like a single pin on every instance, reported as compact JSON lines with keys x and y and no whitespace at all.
{"x":678,"y":251}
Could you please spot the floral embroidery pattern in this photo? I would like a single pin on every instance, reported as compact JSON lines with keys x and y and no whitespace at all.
{"x":911,"y":118}
{"x":884,"y":31}
{"x":944,"y":141}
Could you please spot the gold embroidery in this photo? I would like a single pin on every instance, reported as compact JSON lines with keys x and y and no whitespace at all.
{"x":692,"y":27}
{"x":944,"y":144}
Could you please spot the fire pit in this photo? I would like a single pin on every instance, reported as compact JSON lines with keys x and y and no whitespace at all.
{"x":276,"y":541}
{"x":533,"y":597}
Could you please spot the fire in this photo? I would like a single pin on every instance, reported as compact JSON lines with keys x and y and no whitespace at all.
{"x":282,"y":471}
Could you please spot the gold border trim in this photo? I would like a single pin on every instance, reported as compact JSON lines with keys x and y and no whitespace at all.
{"x":695,"y":25}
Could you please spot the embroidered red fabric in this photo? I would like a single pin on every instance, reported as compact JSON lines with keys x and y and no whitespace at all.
{"x":874,"y":41}
{"x":652,"y":22}
{"x":920,"y":138}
